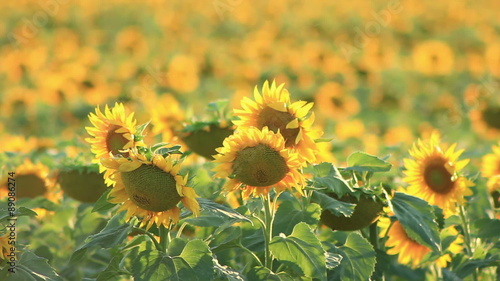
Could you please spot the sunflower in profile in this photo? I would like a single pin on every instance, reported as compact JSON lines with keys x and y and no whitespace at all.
{"x":433,"y":174}
{"x":150,"y":189}
{"x":485,"y":119}
{"x":256,"y":160}
{"x":490,"y":169}
{"x":32,"y":180}
{"x":112,"y":134}
{"x":274,"y":110}
{"x":409,"y":251}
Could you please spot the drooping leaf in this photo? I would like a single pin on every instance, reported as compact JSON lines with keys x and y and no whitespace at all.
{"x":487,"y":228}
{"x":30,"y":267}
{"x":333,"y":205}
{"x":226,"y":273}
{"x":358,"y":259}
{"x":113,"y":272}
{"x":326,"y":176}
{"x":363,"y":162}
{"x":102,"y":204}
{"x":214,"y":214}
{"x":152,"y":265}
{"x":228,"y":238}
{"x":290,"y":213}
{"x":303,"y":249}
{"x":19,"y":212}
{"x":199,"y":258}
{"x":260,"y":273}
{"x":417,"y":218}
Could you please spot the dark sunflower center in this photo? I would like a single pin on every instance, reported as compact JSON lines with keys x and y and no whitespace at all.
{"x":437,"y":177}
{"x":116,"y":141}
{"x":276,"y":120}
{"x":337,"y":101}
{"x":151,"y":188}
{"x":29,"y":186}
{"x":491,"y":116}
{"x":259,"y":166}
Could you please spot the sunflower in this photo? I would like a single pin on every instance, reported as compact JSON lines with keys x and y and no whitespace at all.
{"x":4,"y":247}
{"x":433,"y":58}
{"x":491,"y":168}
{"x":433,"y":174}
{"x":32,"y":180}
{"x":486,"y":119}
{"x":82,"y":182}
{"x":150,"y":189}
{"x":112,"y":134}
{"x":409,"y":251}
{"x":493,"y":59}
{"x":166,"y":117}
{"x":274,"y":110}
{"x":204,"y":137}
{"x":257,"y":160}
{"x":333,"y":102}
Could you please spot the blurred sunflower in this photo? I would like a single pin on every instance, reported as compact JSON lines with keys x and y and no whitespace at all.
{"x":411,"y":252}
{"x":493,"y":59}
{"x":491,"y":169}
{"x":486,"y":120}
{"x":166,"y":117}
{"x":433,"y":58}
{"x":4,"y":246}
{"x":112,"y":134}
{"x":82,"y":182}
{"x":333,"y":102}
{"x":150,"y":189}
{"x":256,"y":161}
{"x":274,"y":110}
{"x":433,"y":174}
{"x":32,"y":180}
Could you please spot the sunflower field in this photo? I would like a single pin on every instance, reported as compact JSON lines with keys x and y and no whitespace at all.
{"x":247,"y":140}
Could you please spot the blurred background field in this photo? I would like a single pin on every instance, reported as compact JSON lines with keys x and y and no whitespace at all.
{"x":381,"y":73}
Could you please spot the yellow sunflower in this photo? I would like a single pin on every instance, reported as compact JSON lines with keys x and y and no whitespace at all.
{"x":32,"y":180}
{"x":491,"y":169}
{"x":4,"y":247}
{"x":150,"y":189}
{"x":411,"y":252}
{"x":433,"y":174}
{"x":274,"y":110}
{"x":113,"y":133}
{"x":486,"y":120}
{"x":166,"y":117}
{"x":333,"y":102}
{"x":257,"y":160}
{"x":433,"y":58}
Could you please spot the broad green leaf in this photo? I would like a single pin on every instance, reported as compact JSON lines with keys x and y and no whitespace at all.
{"x":488,"y":228}
{"x":260,"y":273}
{"x":467,"y":266}
{"x":113,"y":234}
{"x":176,"y":246}
{"x":358,"y":259}
{"x":303,"y":249}
{"x":363,"y":162}
{"x":417,"y":218}
{"x":152,"y":265}
{"x":113,"y":271}
{"x":225,"y":273}
{"x":228,"y":238}
{"x":291,"y":212}
{"x":214,"y":214}
{"x":327,"y":176}
{"x":38,"y":202}
{"x":102,"y":204}
{"x":333,"y":205}
{"x":30,"y":267}
{"x":198,"y":256}
{"x":19,"y":212}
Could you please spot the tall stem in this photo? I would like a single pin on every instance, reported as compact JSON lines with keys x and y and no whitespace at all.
{"x":467,"y":237}
{"x":164,"y":237}
{"x":268,"y":229}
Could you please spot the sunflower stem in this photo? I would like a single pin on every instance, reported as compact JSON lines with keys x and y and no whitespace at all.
{"x":164,"y":238}
{"x":151,"y":236}
{"x":268,"y":229}
{"x":251,"y":253}
{"x":374,"y":235}
{"x":467,"y":236}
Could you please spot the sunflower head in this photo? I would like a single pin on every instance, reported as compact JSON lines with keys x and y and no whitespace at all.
{"x":273,"y":109}
{"x":150,"y":188}
{"x":257,"y":160}
{"x":113,"y":132}
{"x":491,"y":169}
{"x":433,"y":174}
{"x":204,"y":137}
{"x":82,"y":182}
{"x":486,"y":119}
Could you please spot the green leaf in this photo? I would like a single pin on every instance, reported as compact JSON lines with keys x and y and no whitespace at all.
{"x":260,"y":273}
{"x":19,"y":212}
{"x":327,"y":176}
{"x":333,"y":205}
{"x":113,"y":272}
{"x":198,"y":256}
{"x":140,"y":128}
{"x":417,"y":218}
{"x":38,"y":202}
{"x":102,"y":203}
{"x":290,"y":213}
{"x":488,"y":228}
{"x":333,"y":260}
{"x":30,"y":267}
{"x":176,"y":246}
{"x":228,"y":238}
{"x":226,"y":273}
{"x":113,"y":234}
{"x":303,"y":249}
{"x":363,"y":162}
{"x":214,"y":214}
{"x":358,"y":259}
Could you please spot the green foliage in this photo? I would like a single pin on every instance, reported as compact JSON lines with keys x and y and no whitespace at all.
{"x":327,"y":177}
{"x":291,"y":212}
{"x":333,"y":205}
{"x":363,"y":162}
{"x":30,"y":267}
